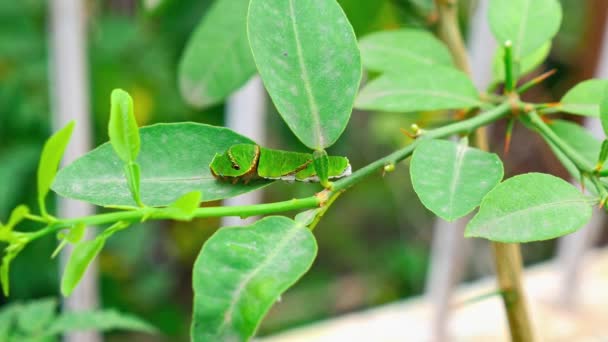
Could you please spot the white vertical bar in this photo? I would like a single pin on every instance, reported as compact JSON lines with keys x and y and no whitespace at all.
{"x":245,"y":114}
{"x":70,"y":99}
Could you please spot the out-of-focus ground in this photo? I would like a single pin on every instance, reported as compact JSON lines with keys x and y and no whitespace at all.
{"x":481,"y":320}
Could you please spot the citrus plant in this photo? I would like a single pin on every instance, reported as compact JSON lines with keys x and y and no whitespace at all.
{"x":312,"y":65}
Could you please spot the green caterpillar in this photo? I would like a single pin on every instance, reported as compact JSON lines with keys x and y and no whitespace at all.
{"x":247,"y":162}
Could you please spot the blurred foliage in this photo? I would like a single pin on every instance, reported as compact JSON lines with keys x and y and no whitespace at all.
{"x":374,"y":243}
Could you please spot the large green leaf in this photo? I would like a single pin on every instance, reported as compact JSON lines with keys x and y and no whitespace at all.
{"x":34,"y":317}
{"x":530,"y":207}
{"x":307,"y":55}
{"x":98,"y":320}
{"x":421,"y":88}
{"x":242,"y":271}
{"x":528,"y":24}
{"x":174,"y":160}
{"x":217,"y":59}
{"x":397,"y":50}
{"x":451,"y":179}
{"x":585,"y":98}
{"x":527,"y":64}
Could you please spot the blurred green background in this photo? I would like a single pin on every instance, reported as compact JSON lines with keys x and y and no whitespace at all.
{"x":374,"y":244}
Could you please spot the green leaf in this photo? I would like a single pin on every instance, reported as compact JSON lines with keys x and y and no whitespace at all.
{"x":17,"y":215}
{"x":217,"y":59}
{"x":451,"y":179}
{"x":35,"y":316}
{"x":83,"y":254}
{"x":419,"y":90}
{"x":242,"y":271}
{"x":174,"y":159}
{"x":320,"y":162}
{"x":76,"y":233}
{"x":585,"y":98}
{"x":397,"y":50}
{"x":604,"y":110}
{"x":578,"y":138}
{"x":49,"y":162}
{"x":183,"y":208}
{"x":8,"y":315}
{"x":307,"y":55}
{"x":10,"y":253}
{"x":122,"y":128}
{"x":104,"y":320}
{"x":527,"y":64}
{"x":530,"y":207}
{"x":528,"y":24}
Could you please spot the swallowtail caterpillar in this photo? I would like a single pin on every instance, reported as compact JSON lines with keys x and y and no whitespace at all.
{"x":247,"y":162}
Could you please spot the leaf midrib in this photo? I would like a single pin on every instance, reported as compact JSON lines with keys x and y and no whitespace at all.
{"x":461,"y":151}
{"x":543,"y":206}
{"x":236,"y":295}
{"x":314,"y":110}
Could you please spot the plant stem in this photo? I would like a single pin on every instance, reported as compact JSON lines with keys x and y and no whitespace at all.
{"x":581,"y":163}
{"x":467,"y":126}
{"x":449,"y":31}
{"x":510,"y":79}
{"x":507,"y":258}
{"x":294,"y":204}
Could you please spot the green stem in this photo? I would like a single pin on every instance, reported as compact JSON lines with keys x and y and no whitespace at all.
{"x":508,"y":62}
{"x":294,"y":204}
{"x":581,"y":163}
{"x":468,"y":125}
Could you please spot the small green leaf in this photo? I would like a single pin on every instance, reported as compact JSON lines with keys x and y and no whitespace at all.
{"x":585,"y":98}
{"x":451,"y":179}
{"x":403,"y":92}
{"x":122,"y":127}
{"x":527,"y":64}
{"x":242,"y":271}
{"x":183,"y":208}
{"x":320,"y":162}
{"x":49,"y":162}
{"x":83,"y":254}
{"x":394,"y":51}
{"x":76,"y":233}
{"x":307,"y":55}
{"x":528,"y":24}
{"x":604,"y":110}
{"x":530,"y":207}
{"x":168,"y":171}
{"x":105,"y":320}
{"x":74,"y":236}
{"x":217,"y":59}
{"x":578,"y":138}
{"x":601,"y":159}
{"x":17,"y":215}
{"x":133,"y":174}
{"x":34,"y":317}
{"x":10,"y":253}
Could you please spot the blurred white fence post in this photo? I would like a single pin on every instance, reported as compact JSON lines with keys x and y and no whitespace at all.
{"x":246,"y":114}
{"x":448,"y":244}
{"x":70,"y":101}
{"x":572,"y":248}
